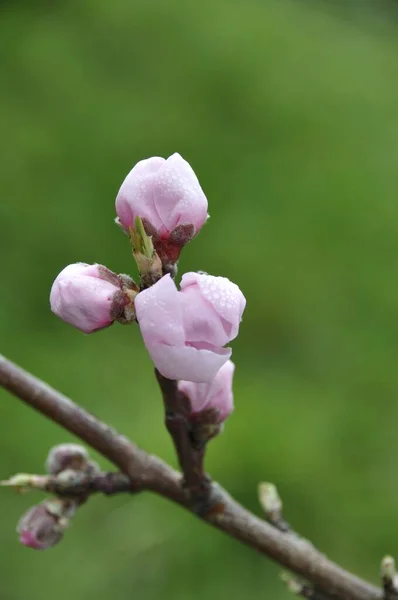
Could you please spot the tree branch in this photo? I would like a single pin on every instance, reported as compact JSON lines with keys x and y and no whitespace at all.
{"x":148,"y":472}
{"x":190,"y":458}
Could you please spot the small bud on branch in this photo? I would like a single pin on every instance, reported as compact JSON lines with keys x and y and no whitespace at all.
{"x":389,"y":578}
{"x":167,"y":196}
{"x":273,"y":506}
{"x":43,"y":525}
{"x":66,"y":456}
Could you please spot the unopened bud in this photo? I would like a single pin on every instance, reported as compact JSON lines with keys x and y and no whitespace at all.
{"x":66,"y":456}
{"x":270,"y":499}
{"x":91,"y":297}
{"x":39,"y":528}
{"x":272,"y":505}
{"x":388,"y":567}
{"x":389,"y":576}
{"x":211,"y":403}
{"x":167,"y":196}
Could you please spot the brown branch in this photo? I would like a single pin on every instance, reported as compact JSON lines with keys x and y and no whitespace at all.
{"x":190,"y":456}
{"x":150,"y":473}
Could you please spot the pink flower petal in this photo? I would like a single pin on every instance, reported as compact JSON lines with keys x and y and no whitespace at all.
{"x":223,"y":295}
{"x":222,"y":397}
{"x":159,"y":313}
{"x":201,"y":322}
{"x":215,"y":394}
{"x":179,"y":199}
{"x":136,"y":194}
{"x":197,"y":393}
{"x":186,"y":362}
{"x":79,"y":268}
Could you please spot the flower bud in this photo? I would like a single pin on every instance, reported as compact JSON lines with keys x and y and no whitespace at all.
{"x":66,"y":456}
{"x":184,"y":332}
{"x":166,"y":195}
{"x":90,"y":297}
{"x":216,"y":395}
{"x":39,"y":528}
{"x":389,"y":577}
{"x":270,"y":500}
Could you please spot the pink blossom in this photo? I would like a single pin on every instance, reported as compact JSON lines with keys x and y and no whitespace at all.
{"x":216,"y":394}
{"x":82,"y":295}
{"x":166,"y":194}
{"x":185,"y":331}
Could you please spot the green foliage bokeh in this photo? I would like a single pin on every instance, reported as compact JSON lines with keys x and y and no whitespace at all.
{"x":288,"y":112}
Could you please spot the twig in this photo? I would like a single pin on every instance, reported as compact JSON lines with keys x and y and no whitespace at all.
{"x":190,"y":457}
{"x":73,"y":484}
{"x":150,"y":473}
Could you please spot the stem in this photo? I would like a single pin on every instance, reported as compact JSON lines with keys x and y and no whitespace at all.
{"x":190,"y":457}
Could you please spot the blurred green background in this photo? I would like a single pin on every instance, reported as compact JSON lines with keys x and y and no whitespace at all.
{"x":288,"y":112}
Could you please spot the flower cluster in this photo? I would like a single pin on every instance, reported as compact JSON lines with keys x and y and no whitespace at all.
{"x":161,"y":206}
{"x":43,"y":525}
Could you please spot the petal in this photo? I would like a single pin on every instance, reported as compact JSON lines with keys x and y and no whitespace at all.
{"x":74,"y":269}
{"x":80,"y":268}
{"x":197,"y":393}
{"x":223,"y":295}
{"x":84,"y":302}
{"x":179,"y":199}
{"x":201,"y":321}
{"x":186,"y":362}
{"x":215,"y":394}
{"x":159,"y":313}
{"x":136,"y":194}
{"x":221,"y":396}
